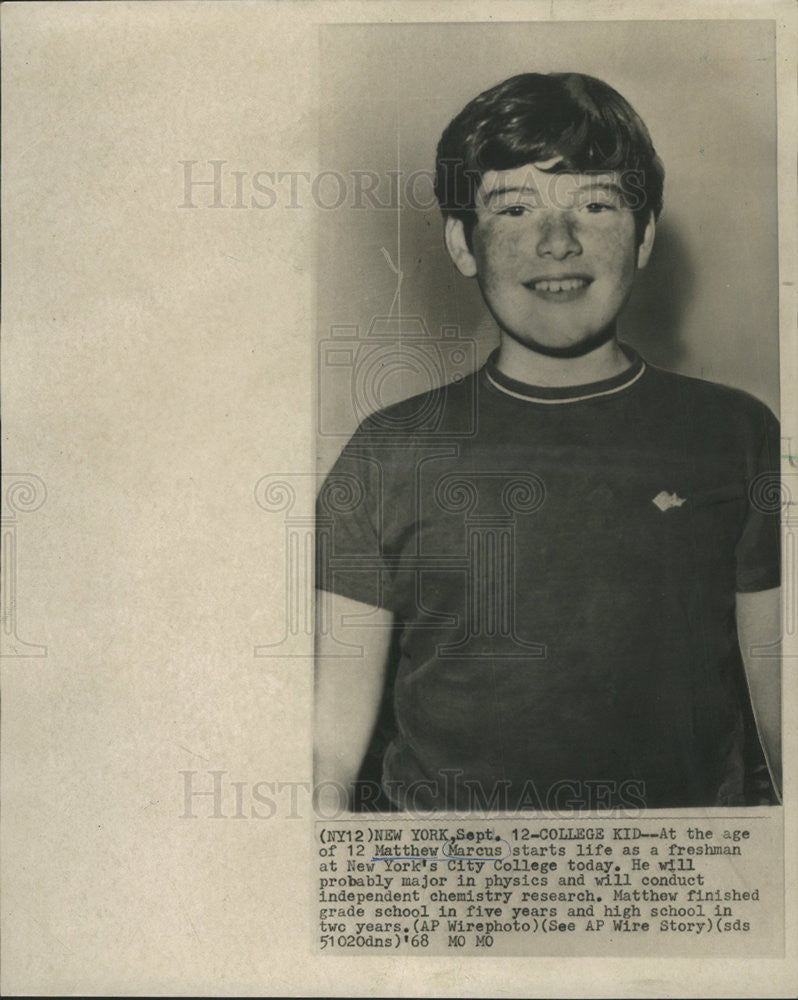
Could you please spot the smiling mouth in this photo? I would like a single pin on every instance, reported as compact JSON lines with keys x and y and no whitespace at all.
{"x":558,"y":284}
{"x":558,"y":291}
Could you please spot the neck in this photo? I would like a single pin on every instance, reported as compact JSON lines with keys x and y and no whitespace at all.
{"x":526,"y":365}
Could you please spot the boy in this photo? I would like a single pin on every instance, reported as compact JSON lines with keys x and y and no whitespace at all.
{"x":564,"y":553}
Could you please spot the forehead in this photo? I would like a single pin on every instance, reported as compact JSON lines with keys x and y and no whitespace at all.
{"x":542,"y":179}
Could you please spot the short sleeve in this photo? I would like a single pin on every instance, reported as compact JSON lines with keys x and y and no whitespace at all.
{"x":349,"y":517}
{"x":758,"y":551}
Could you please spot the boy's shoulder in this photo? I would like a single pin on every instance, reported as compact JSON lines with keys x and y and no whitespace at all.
{"x":701,"y":398}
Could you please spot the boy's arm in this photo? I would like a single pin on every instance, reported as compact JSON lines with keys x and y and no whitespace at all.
{"x":759,"y":625}
{"x":348,"y":692}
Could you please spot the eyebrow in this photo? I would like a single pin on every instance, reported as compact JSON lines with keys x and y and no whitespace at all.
{"x":589,"y":185}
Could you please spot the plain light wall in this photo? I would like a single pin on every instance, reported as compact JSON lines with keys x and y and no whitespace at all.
{"x":708,"y":303}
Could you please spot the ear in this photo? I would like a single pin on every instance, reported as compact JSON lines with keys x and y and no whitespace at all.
{"x":457,"y":245}
{"x":647,"y":243}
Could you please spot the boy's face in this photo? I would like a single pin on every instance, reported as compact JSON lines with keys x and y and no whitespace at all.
{"x":555,"y":254}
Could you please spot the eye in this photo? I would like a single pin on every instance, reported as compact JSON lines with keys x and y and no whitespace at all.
{"x":596,"y":207}
{"x":514,"y":211}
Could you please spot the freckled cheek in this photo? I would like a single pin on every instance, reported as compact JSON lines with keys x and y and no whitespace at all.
{"x":614,"y":251}
{"x":501,"y":257}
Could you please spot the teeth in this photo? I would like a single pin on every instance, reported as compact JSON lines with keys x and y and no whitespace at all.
{"x":568,"y":285}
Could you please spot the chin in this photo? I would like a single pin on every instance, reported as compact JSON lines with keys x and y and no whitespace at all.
{"x":566,"y":346}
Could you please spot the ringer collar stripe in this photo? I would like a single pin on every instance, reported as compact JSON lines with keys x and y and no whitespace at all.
{"x":569,"y":399}
{"x":567,"y":393}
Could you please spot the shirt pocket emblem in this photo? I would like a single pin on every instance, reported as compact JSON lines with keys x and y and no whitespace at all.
{"x":666,"y":501}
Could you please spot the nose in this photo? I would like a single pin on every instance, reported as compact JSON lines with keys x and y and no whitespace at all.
{"x":557,"y":237}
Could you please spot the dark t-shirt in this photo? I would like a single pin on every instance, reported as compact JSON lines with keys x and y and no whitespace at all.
{"x":562,"y":567}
